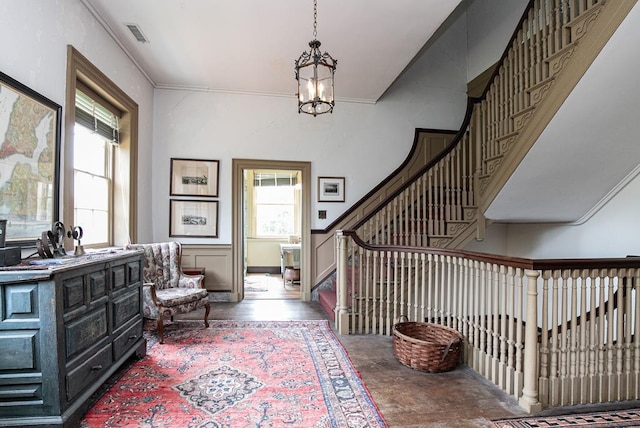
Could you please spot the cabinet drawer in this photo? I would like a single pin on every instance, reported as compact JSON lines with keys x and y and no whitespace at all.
{"x":73,"y":291}
{"x":125,"y":307}
{"x":83,"y":332}
{"x":20,"y":351}
{"x":88,"y":372}
{"x":118,"y":277}
{"x":134,"y":271}
{"x":123,"y":342}
{"x":97,"y":284}
{"x":18,"y":392}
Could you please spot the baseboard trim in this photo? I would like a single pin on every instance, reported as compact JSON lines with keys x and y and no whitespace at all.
{"x":264,"y":269}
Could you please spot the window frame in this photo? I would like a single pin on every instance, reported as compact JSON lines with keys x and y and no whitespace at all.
{"x":107,"y":175}
{"x":253,"y":205}
{"x":81,"y":72}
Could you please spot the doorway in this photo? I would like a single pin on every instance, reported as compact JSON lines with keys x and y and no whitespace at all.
{"x":266,"y":220}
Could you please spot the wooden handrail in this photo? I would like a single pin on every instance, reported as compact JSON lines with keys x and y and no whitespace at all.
{"x":516,"y":262}
{"x":398,"y":170}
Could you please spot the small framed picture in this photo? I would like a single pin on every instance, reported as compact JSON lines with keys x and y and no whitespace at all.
{"x":193,"y":218}
{"x":194,"y":177}
{"x":330,"y":189}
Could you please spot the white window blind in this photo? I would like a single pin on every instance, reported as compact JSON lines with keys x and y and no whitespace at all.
{"x":262,"y":179}
{"x":96,"y":117}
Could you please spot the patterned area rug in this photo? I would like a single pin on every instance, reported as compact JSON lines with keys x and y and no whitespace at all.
{"x":256,"y":284}
{"x":239,"y":374}
{"x":622,"y":418}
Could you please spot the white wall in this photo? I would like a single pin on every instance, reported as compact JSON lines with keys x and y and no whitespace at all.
{"x":491,"y":25}
{"x":611,"y":232}
{"x":34,"y":35}
{"x":362,"y":142}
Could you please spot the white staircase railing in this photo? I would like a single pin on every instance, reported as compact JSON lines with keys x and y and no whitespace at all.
{"x":549,"y":332}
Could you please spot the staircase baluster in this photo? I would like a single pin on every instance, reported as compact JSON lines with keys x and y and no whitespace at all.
{"x":629,"y":317}
{"x":636,"y":336}
{"x":583,"y":386}
{"x":619,"y":347}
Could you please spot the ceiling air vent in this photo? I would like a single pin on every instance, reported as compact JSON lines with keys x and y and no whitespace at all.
{"x":137,"y":33}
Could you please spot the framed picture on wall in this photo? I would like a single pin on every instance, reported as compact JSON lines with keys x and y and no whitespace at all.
{"x":330,"y":189}
{"x":194,"y":177}
{"x":30,"y":127}
{"x":193,"y":218}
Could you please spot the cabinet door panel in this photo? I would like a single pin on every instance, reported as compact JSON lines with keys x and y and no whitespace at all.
{"x":97,"y":284}
{"x":19,"y":303}
{"x":19,"y":350}
{"x":126,"y":307}
{"x":80,"y":334}
{"x":118,"y":277}
{"x":73,"y":290}
{"x":134,"y":272}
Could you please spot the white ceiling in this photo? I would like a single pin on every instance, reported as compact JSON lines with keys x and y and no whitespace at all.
{"x":249,"y":46}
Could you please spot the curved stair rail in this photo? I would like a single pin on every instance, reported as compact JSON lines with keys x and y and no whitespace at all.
{"x":443,"y":205}
{"x":502,"y":306}
{"x":435,"y":206}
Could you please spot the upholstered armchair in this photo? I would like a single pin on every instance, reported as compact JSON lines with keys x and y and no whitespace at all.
{"x":167,"y":291}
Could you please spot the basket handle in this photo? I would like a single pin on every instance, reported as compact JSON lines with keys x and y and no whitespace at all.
{"x":401,"y":318}
{"x":446,"y":350}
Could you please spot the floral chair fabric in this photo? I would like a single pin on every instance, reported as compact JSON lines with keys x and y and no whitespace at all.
{"x":167,"y":291}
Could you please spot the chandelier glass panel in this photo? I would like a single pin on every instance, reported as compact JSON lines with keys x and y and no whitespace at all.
{"x":314,"y":73}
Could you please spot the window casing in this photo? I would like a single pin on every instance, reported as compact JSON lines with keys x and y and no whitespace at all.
{"x":112,"y":168}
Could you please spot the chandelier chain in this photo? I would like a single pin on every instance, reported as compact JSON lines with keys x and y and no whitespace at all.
{"x":315,"y":19}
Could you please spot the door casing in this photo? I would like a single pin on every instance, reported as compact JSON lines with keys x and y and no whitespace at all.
{"x":237,"y":242}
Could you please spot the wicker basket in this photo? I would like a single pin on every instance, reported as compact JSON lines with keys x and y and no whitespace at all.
{"x":427,"y":347}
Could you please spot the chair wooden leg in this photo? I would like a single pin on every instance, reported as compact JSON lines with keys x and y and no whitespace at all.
{"x":160,"y":335}
{"x":206,"y":314}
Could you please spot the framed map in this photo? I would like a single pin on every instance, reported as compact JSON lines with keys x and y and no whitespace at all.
{"x":29,"y":161}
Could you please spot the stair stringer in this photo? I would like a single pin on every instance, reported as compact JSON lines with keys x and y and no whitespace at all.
{"x":592,"y":32}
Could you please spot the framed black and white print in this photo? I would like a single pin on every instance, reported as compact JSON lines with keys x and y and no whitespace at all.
{"x":193,"y":218}
{"x":194,"y":177}
{"x":330,"y":189}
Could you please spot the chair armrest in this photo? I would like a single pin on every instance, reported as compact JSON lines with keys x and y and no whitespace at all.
{"x":149,"y":293}
{"x":190,"y":281}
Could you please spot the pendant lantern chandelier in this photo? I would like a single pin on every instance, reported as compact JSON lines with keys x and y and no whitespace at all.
{"x":314,"y":73}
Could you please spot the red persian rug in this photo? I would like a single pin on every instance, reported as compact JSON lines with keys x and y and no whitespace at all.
{"x":239,"y":374}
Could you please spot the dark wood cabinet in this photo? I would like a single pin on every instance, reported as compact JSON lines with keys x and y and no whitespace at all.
{"x":64,"y":329}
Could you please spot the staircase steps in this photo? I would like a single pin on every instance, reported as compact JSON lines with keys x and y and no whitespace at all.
{"x":328,"y":299}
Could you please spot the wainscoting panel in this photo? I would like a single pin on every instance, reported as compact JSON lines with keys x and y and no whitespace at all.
{"x":216,"y":259}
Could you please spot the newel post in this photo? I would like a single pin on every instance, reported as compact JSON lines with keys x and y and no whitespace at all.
{"x":342,"y":309}
{"x":529,"y":400}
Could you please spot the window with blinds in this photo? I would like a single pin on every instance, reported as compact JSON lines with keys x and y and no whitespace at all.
{"x":96,"y":136}
{"x":97,"y":115}
{"x":275,"y":203}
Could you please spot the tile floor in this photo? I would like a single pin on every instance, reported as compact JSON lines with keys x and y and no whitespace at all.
{"x":405,"y":397}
